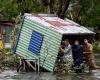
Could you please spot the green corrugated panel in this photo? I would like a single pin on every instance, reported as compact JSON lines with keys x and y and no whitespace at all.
{"x":49,"y":48}
{"x":49,"y":29}
{"x":43,"y":31}
{"x":50,"y":35}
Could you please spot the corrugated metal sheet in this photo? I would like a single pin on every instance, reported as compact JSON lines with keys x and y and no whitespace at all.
{"x":61,"y":26}
{"x":49,"y":47}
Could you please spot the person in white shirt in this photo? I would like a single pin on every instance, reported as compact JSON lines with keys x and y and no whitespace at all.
{"x":67,"y":54}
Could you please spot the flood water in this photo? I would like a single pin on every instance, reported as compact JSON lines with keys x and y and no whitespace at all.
{"x":13,"y":75}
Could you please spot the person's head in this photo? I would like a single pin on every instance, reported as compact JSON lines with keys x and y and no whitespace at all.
{"x":76,"y":42}
{"x":66,"y":41}
{"x":85,"y":41}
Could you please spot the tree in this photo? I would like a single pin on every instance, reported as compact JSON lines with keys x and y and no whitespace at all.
{"x":29,"y":6}
{"x":84,"y":12}
{"x":8,"y":10}
{"x":62,"y":6}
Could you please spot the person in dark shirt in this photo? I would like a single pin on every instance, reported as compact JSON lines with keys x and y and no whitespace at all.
{"x":77,"y":52}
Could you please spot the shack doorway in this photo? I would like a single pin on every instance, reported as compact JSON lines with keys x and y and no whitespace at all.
{"x":80,"y":38}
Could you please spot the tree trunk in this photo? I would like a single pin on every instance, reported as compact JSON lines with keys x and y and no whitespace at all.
{"x":51,"y":6}
{"x":63,"y":6}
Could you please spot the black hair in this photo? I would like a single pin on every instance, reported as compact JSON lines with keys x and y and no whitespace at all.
{"x":66,"y":40}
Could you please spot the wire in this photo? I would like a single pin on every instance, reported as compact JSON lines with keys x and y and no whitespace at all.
{"x":46,"y":55}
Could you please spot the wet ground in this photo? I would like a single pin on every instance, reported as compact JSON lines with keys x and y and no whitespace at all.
{"x":13,"y":75}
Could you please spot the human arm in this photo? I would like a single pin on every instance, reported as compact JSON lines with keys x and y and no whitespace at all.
{"x":89,"y":49}
{"x":61,"y":50}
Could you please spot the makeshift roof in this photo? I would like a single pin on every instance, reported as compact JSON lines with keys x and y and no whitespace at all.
{"x":6,"y":23}
{"x":62,"y":26}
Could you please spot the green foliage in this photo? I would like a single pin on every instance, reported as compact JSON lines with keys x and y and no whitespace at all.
{"x":90,"y":13}
{"x":85,"y":12}
{"x":29,"y":5}
{"x":90,"y":16}
{"x":9,"y":59}
{"x":96,"y":46}
{"x":8,"y":10}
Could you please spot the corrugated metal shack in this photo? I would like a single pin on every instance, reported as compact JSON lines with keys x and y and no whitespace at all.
{"x":41,"y":37}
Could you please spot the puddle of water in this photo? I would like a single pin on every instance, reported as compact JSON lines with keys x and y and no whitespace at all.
{"x":96,"y":74}
{"x":13,"y":75}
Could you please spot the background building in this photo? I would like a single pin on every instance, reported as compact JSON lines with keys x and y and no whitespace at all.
{"x":6,"y":28}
